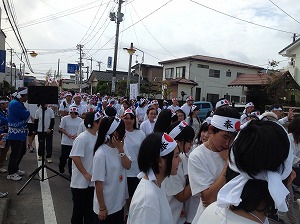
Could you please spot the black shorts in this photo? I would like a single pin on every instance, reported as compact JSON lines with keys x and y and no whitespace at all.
{"x":30,"y":127}
{"x":132,"y":183}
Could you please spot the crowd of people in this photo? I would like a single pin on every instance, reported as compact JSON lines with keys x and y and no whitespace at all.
{"x":134,"y":162}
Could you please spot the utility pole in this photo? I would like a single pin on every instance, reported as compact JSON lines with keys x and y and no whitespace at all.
{"x":118,"y":19}
{"x":11,"y":64}
{"x":57,"y":69}
{"x":99,"y":65}
{"x":79,"y":47}
{"x":91,"y":59}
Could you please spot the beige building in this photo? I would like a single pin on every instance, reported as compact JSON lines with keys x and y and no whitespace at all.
{"x":206,"y":78}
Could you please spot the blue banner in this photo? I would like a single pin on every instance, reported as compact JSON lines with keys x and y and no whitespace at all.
{"x":2,"y":61}
{"x":72,"y":68}
{"x":109,"y":62}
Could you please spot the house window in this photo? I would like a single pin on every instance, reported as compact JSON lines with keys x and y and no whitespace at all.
{"x":228,"y":73}
{"x":213,"y":98}
{"x":169,"y":72}
{"x":238,"y":74}
{"x":235,"y":99}
{"x":214,"y":73}
{"x":180,"y":72}
{"x":203,"y":66}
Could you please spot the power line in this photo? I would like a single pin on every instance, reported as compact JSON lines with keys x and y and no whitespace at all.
{"x":243,"y":20}
{"x":56,"y":15}
{"x":153,"y":35}
{"x":284,"y":11}
{"x":83,"y":38}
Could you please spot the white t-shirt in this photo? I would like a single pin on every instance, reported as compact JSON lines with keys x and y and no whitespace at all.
{"x":174,"y":185}
{"x":149,"y":205}
{"x":49,"y":114}
{"x":71,"y":126}
{"x":186,"y":109}
{"x":147,"y":127}
{"x":108,"y":169}
{"x":204,"y":168}
{"x":64,"y":108}
{"x":81,"y":108}
{"x":174,"y":108}
{"x":83,"y":147}
{"x":32,"y":108}
{"x":140,"y":113}
{"x":90,"y":108}
{"x":81,"y":128}
{"x":132,"y":143}
{"x":215,"y":215}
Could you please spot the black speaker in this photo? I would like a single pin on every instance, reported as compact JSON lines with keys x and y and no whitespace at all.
{"x":42,"y":94}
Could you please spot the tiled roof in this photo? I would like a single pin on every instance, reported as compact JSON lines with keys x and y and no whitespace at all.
{"x":251,"y":80}
{"x":182,"y":81}
{"x":212,"y":60}
{"x":263,"y":79}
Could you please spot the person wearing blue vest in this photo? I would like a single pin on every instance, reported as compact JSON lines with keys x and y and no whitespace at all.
{"x":17,"y":132}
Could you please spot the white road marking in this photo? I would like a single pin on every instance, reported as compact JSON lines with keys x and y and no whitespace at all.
{"x":48,"y":208}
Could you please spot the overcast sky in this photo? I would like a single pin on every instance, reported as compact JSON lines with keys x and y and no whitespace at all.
{"x":171,"y":29}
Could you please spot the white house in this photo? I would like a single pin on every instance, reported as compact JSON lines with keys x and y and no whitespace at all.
{"x":293,"y":52}
{"x":206,"y":78}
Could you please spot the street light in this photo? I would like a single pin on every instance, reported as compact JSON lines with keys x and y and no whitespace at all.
{"x":130,"y":51}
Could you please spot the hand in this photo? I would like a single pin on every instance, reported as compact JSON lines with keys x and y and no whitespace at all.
{"x":73,"y":136}
{"x":49,"y":130}
{"x":118,"y":144}
{"x":205,"y":203}
{"x":102,"y":215}
{"x":224,"y":154}
{"x":88,"y":176}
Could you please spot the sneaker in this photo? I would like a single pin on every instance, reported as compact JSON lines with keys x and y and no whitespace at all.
{"x":275,"y":219}
{"x":3,"y":194}
{"x":49,"y":160}
{"x":21,"y":172}
{"x":14,"y":177}
{"x":3,"y":170}
{"x":39,"y":158}
{"x":31,"y":150}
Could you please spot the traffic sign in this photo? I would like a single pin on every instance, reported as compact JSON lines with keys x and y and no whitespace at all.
{"x":72,"y":68}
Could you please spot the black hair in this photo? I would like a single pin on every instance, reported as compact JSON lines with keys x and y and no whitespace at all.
{"x":89,"y":119}
{"x":163,"y":121}
{"x":133,"y":117}
{"x":181,"y":111}
{"x":226,"y":112}
{"x":149,"y":109}
{"x":294,"y":128}
{"x":149,"y":155}
{"x":260,"y":146}
{"x":186,"y":135}
{"x":110,"y":111}
{"x":204,"y":127}
{"x":103,"y":129}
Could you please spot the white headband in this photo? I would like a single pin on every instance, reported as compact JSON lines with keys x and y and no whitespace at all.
{"x":226,"y":123}
{"x":230,"y":193}
{"x":3,"y":101}
{"x":277,"y":109}
{"x":97,"y":116}
{"x":168,"y":144}
{"x":176,"y":130}
{"x":112,"y":127}
{"x":22,"y":92}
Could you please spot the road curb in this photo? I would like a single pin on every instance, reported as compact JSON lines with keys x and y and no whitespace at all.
{"x":4,"y":202}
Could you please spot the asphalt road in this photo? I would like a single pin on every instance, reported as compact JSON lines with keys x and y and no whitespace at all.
{"x":38,"y":203}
